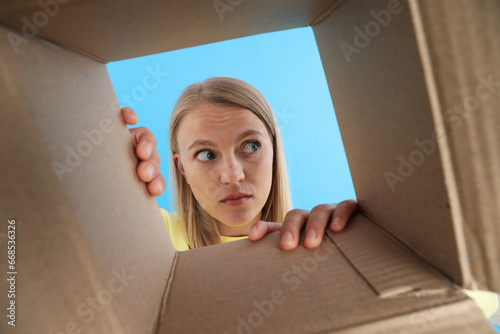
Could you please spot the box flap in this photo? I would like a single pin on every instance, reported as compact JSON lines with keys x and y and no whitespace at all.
{"x":459,"y":43}
{"x":91,"y":246}
{"x":116,"y":30}
{"x":373,"y":65}
{"x":386,"y":267}
{"x":258,"y":285}
{"x":460,"y":317}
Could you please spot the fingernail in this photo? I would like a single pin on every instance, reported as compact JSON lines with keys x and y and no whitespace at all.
{"x":251,"y":230}
{"x":286,"y":238}
{"x":150,"y":171}
{"x":159,"y":187}
{"x":336,"y":224}
{"x":149,"y":148}
{"x":311,"y":236}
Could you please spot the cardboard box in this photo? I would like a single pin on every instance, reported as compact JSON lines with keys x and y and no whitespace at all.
{"x":416,"y":93}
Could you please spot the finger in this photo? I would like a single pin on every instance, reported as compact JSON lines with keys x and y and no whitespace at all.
{"x":129,"y":116}
{"x":315,"y":228}
{"x":342,"y":214}
{"x":290,"y":230}
{"x":260,"y":228}
{"x":147,"y":170}
{"x":145,"y":142}
{"x":156,"y":186}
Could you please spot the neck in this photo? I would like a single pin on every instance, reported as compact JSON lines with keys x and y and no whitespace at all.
{"x":238,"y":230}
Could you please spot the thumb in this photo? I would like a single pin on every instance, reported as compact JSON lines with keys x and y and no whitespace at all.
{"x":260,"y":228}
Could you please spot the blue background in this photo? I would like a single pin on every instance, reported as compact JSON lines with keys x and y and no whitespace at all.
{"x":286,"y":67}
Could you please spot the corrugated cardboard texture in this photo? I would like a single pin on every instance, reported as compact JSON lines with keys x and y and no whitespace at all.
{"x":380,"y":89}
{"x":461,"y":317}
{"x":381,"y":102}
{"x":389,"y":270}
{"x":94,"y":236}
{"x":241,"y":287}
{"x":460,"y":47}
{"x":116,"y":30}
{"x":95,"y":253}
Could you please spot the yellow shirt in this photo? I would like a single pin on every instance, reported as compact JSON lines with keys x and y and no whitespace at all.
{"x":487,"y":301}
{"x":177,"y":234}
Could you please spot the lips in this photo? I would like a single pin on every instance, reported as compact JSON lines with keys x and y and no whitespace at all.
{"x":236,"y":199}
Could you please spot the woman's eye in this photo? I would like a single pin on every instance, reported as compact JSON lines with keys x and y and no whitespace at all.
{"x":251,"y":147}
{"x":205,"y":155}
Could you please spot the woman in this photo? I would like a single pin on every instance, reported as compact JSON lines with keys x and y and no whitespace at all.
{"x":229,"y":171}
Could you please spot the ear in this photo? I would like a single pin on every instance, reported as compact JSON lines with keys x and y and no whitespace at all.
{"x":180,"y":167}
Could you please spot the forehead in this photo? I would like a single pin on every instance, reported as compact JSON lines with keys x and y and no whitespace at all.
{"x":213,"y":122}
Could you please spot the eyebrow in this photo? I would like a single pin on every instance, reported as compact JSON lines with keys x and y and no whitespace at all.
{"x":209,"y":143}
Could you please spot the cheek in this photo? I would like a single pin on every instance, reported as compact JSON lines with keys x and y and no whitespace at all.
{"x":262,"y":174}
{"x":270,"y":169}
{"x":201,"y":181}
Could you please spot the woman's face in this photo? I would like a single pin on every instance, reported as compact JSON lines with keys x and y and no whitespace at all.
{"x":226,"y":156}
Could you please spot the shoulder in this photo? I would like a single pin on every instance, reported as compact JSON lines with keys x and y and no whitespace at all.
{"x":177,"y":233}
{"x":174,"y":226}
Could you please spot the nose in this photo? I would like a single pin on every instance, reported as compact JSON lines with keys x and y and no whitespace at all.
{"x":231,"y":171}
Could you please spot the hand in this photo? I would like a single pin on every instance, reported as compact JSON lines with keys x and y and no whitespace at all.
{"x":315,"y":222}
{"x":148,"y":169}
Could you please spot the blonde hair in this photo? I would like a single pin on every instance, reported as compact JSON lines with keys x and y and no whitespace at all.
{"x":201,"y":228}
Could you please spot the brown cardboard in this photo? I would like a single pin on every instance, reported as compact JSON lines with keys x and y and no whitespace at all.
{"x":257,"y":287}
{"x":384,"y":102}
{"x":463,"y":313}
{"x":383,"y":99}
{"x":117,"y":30}
{"x":73,"y":241}
{"x":389,"y":271}
{"x":459,"y":57}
